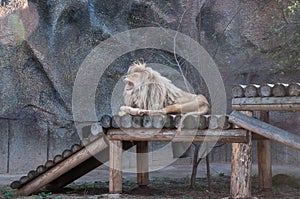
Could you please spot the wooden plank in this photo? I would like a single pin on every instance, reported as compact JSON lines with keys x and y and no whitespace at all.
{"x":266,"y":130}
{"x":115,"y":166}
{"x":62,"y":167}
{"x":241,"y":170}
{"x":267,"y":103}
{"x":230,"y":135}
{"x":83,"y":168}
{"x":142,"y":163}
{"x":264,"y":159}
{"x":4,"y":133}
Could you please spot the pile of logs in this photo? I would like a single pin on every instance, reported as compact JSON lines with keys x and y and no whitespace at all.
{"x":43,"y":168}
{"x":166,"y":121}
{"x":266,"y":90}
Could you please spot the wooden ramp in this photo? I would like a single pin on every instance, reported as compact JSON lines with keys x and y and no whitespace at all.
{"x":264,"y":129}
{"x":65,"y":168}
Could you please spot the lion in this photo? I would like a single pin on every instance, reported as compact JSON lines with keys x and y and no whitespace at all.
{"x":147,"y":92}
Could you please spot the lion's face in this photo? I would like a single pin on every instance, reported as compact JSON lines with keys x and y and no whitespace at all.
{"x":132,"y":81}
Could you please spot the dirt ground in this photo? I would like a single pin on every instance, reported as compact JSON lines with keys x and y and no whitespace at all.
{"x":284,"y":186}
{"x":170,"y":182}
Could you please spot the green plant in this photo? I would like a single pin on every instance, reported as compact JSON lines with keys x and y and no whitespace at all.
{"x":9,"y":194}
{"x":43,"y":195}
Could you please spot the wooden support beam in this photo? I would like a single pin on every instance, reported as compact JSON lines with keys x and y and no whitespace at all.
{"x":115,"y":166}
{"x":142,"y":163}
{"x":62,"y":167}
{"x":265,"y":129}
{"x":267,"y":104}
{"x":241,"y":168}
{"x":217,"y":135}
{"x":264,"y":158}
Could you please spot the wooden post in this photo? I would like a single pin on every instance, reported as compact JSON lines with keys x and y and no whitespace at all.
{"x":241,"y":169}
{"x":264,"y":158}
{"x":142,"y":163}
{"x":115,"y":164}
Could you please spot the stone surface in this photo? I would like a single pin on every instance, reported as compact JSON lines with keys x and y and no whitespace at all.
{"x":43,"y":46}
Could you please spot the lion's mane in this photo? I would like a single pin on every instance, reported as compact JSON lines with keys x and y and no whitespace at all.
{"x":154,"y":92}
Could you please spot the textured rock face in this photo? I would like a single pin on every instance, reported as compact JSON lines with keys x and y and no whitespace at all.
{"x":44,"y":44}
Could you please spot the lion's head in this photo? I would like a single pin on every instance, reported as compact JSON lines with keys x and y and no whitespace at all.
{"x":148,"y":89}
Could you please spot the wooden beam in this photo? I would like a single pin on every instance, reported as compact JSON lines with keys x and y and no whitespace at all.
{"x":115,"y":166}
{"x":230,"y":135}
{"x":264,"y":158}
{"x":142,"y":163}
{"x":62,"y":167}
{"x":265,"y":129}
{"x":241,"y":168}
{"x":267,"y":103}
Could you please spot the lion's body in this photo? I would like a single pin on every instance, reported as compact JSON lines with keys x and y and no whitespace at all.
{"x":148,"y":92}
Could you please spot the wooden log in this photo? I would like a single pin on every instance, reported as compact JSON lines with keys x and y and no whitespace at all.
{"x":24,"y":179}
{"x":251,"y":91}
{"x":142,"y":163}
{"x":223,"y":122}
{"x":170,"y":121}
{"x":96,"y":129}
{"x":264,"y":159}
{"x":238,"y":91}
{"x":230,"y":136}
{"x":241,"y":170}
{"x":49,"y":164}
{"x":158,"y":121}
{"x":32,"y":174}
{"x":267,"y":104}
{"x":126,"y":121}
{"x":203,"y":122}
{"x":15,"y":184}
{"x":57,"y":159}
{"x":213,"y":122}
{"x":40,"y":169}
{"x":294,"y":89}
{"x":115,"y":166}
{"x":190,"y":122}
{"x":279,"y":90}
{"x":75,"y":148}
{"x":116,"y":121}
{"x":265,"y":129}
{"x":62,"y":167}
{"x":67,"y":153}
{"x":147,"y":121}
{"x":137,"y":121}
{"x":265,"y":90}
{"x":105,"y":121}
{"x":177,"y":120}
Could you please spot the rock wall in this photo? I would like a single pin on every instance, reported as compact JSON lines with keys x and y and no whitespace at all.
{"x":44,"y":44}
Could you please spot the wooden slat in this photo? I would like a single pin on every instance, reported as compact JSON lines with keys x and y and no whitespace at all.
{"x":231,"y":135}
{"x":115,"y":166}
{"x":267,"y":103}
{"x":266,"y":130}
{"x":63,"y":167}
